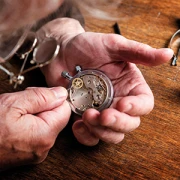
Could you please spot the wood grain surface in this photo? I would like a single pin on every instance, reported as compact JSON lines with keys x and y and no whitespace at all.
{"x":150,"y":152}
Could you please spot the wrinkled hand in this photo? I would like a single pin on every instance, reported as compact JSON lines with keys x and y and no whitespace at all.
{"x":30,"y":122}
{"x":116,"y":56}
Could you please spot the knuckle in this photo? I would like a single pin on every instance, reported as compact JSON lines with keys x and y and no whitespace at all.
{"x":41,"y":149}
{"x":41,"y":94}
{"x":123,"y":126}
{"x":139,"y":49}
{"x":105,"y":121}
{"x":38,"y":159}
{"x":114,"y":139}
{"x":46,"y":143}
{"x":106,"y":117}
{"x":7,"y":99}
{"x":104,"y":136}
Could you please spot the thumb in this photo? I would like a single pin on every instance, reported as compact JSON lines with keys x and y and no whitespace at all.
{"x":36,"y":100}
{"x":132,"y":51}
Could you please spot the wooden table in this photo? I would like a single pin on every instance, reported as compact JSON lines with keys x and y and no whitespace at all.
{"x":150,"y":152}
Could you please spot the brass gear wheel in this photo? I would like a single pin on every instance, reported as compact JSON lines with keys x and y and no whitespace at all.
{"x":77,"y":83}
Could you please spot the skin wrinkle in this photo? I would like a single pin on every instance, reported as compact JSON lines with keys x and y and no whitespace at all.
{"x":117,"y":47}
{"x":139,"y":51}
{"x":37,"y":158}
{"x":37,"y":144}
{"x":86,"y":53}
{"x":119,"y":125}
{"x":136,"y":48}
{"x":65,"y":62}
{"x":39,"y":95}
{"x":103,"y":49}
{"x":119,"y":72}
{"x":19,"y":111}
{"x":48,"y":116}
{"x":150,"y":107}
{"x":124,"y":79}
{"x":106,"y":135}
{"x":111,"y":42}
{"x":17,"y":154}
{"x":89,"y":137}
{"x":16,"y":105}
{"x":122,"y":58}
{"x":8,"y":102}
{"x":124,"y":125}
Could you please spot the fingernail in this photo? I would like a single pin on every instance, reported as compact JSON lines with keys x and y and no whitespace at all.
{"x":168,"y":50}
{"x":59,"y":92}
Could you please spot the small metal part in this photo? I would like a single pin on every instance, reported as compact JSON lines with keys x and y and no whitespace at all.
{"x":89,"y":89}
{"x":48,"y":45}
{"x":23,"y":45}
{"x":6,"y":71}
{"x":66,"y":75}
{"x":77,"y":83}
{"x":18,"y":80}
{"x":28,"y":45}
{"x":117,"y":28}
{"x":174,"y":60}
{"x":78,"y":68}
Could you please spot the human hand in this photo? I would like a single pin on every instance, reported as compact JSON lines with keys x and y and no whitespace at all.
{"x":30,"y":122}
{"x":116,"y":56}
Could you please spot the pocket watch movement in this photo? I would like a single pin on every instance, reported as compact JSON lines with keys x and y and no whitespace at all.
{"x":89,"y":89}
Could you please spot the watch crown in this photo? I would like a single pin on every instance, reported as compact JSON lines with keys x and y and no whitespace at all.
{"x":78,"y":68}
{"x":66,"y":75}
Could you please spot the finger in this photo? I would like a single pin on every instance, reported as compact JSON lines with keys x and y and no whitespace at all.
{"x":136,"y":105}
{"x":139,"y":102}
{"x":35,"y":100}
{"x":57,"y":118}
{"x":132,"y":51}
{"x":111,"y":119}
{"x":107,"y":135}
{"x":83,"y":135}
{"x":103,"y":126}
